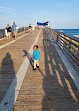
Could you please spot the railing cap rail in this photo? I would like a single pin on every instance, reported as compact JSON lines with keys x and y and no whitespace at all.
{"x":68,"y":35}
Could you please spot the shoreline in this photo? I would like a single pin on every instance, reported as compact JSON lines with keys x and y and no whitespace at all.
{"x":76,"y":36}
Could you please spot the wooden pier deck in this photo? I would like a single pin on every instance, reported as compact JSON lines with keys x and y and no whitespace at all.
{"x":11,"y":58}
{"x":49,"y":88}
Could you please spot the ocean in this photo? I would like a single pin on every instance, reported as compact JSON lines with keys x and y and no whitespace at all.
{"x":1,"y":31}
{"x":69,"y":31}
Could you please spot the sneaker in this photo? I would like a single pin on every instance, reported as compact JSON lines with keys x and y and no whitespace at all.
{"x":37,"y":66}
{"x":34,"y":69}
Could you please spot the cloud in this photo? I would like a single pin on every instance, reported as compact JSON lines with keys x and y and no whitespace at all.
{"x":4,"y":9}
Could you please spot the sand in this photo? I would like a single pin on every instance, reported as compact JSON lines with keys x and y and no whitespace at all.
{"x":76,"y":36}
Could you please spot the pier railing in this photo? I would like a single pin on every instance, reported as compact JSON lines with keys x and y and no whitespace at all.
{"x":68,"y":43}
{"x":2,"y":33}
{"x":22,"y":29}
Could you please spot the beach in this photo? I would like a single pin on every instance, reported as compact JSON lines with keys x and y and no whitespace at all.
{"x":76,"y":36}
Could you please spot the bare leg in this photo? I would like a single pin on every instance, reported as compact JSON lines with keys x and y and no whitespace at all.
{"x":9,"y":35}
{"x":15,"y":36}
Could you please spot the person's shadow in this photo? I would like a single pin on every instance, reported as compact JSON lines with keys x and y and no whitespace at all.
{"x":7,"y":74}
{"x":26,"y":54}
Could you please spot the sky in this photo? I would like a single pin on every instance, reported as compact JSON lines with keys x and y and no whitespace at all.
{"x":62,"y":14}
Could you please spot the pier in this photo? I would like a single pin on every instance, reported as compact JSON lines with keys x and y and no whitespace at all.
{"x":54,"y":86}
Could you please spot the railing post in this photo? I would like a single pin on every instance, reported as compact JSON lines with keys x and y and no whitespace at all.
{"x":3,"y":32}
{"x":24,"y":29}
{"x":53,"y":34}
{"x":69,"y":43}
{"x":64,"y":40}
{"x":57,"y":37}
{"x":78,"y":53}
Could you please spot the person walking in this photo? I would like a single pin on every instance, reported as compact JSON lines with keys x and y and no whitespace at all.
{"x":8,"y":29}
{"x":14,"y":29}
{"x":30,"y":27}
{"x":33,"y":28}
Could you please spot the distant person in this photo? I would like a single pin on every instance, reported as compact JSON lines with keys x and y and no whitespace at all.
{"x":33,"y":28}
{"x":30,"y":27}
{"x":14,"y":29}
{"x":35,"y":57}
{"x":8,"y":31}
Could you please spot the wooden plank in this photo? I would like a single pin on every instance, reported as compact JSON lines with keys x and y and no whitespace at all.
{"x":49,"y":88}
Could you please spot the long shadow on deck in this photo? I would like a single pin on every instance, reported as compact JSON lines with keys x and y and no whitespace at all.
{"x":60,"y":91}
{"x":30,"y":59}
{"x":7,"y":74}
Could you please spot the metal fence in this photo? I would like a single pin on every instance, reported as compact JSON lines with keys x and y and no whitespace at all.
{"x":68,"y":43}
{"x":2,"y":32}
{"x":22,"y":29}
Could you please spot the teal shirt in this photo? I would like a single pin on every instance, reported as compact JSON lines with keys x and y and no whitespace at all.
{"x":36,"y":55}
{"x":14,"y":27}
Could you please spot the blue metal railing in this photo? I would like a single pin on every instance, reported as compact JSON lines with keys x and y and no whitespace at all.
{"x":68,"y":43}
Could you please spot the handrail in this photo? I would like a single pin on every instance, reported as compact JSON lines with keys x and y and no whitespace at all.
{"x":68,"y":35}
{"x":3,"y":32}
{"x":68,"y":43}
{"x":19,"y":31}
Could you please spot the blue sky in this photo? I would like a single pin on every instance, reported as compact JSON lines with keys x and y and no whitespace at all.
{"x":60,"y":13}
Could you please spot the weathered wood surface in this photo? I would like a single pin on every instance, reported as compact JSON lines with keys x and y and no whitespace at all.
{"x":11,"y":58}
{"x":49,"y":88}
{"x":5,"y":41}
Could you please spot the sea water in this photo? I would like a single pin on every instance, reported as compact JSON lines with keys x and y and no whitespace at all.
{"x":1,"y":31}
{"x":69,"y":31}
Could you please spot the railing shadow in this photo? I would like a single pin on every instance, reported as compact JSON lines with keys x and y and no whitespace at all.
{"x":7,"y":74}
{"x":60,"y":91}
